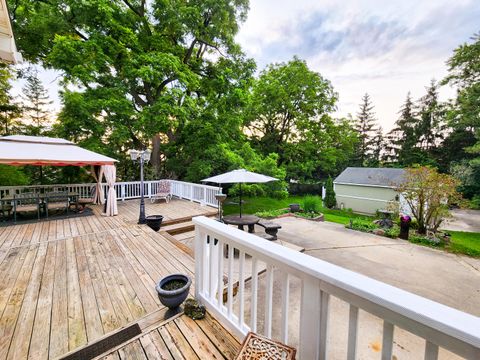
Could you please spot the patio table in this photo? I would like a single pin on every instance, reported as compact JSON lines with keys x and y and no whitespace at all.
{"x":241,"y":221}
{"x":43,"y":197}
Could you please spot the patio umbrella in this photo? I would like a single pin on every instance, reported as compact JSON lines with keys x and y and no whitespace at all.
{"x":239,"y":176}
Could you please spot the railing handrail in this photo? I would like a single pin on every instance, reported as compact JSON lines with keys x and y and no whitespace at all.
{"x":201,"y":185}
{"x":414,"y":313}
{"x":203,"y":194}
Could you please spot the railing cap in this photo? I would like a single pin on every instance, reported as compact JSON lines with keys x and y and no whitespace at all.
{"x":455,"y":323}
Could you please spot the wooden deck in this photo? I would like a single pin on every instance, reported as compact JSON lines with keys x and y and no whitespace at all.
{"x":180,"y":338}
{"x":66,"y":283}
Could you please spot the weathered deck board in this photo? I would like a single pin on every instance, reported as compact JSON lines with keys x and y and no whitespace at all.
{"x":47,"y":230}
{"x":68,"y":282}
{"x":179,"y":338}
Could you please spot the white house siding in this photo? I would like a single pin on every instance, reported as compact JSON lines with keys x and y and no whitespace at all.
{"x":363,"y":199}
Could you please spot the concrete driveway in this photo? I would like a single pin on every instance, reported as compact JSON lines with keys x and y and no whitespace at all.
{"x":463,"y":220}
{"x":446,"y":278}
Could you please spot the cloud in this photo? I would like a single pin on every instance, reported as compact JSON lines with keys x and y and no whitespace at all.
{"x":384,"y":48}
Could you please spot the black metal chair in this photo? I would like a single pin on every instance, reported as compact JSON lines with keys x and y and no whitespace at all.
{"x":26,"y":202}
{"x":56,"y":201}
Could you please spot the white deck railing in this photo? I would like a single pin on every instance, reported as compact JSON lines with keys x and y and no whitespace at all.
{"x":439,"y":325}
{"x":202,"y":194}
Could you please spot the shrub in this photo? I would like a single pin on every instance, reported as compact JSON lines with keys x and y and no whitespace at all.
{"x":393,"y":232}
{"x":362,"y":225}
{"x":475,"y":203}
{"x":312,"y":204}
{"x":330,"y":199}
{"x":270,"y":213}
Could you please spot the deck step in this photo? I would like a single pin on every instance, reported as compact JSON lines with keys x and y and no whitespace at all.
{"x":179,"y":228}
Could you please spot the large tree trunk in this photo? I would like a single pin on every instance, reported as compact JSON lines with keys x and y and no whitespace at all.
{"x":155,"y":159}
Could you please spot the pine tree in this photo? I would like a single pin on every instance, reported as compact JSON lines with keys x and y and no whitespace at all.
{"x":430,"y":126}
{"x":37,"y":103}
{"x":9,"y":111}
{"x":378,"y":143}
{"x":330,"y":199}
{"x":403,"y":138}
{"x":365,"y":127}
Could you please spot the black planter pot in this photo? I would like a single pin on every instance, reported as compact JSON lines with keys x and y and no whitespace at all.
{"x":154,"y":221}
{"x":294,"y":208}
{"x":173,"y":298}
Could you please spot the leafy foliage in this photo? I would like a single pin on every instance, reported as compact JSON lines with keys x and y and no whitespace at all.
{"x":12,"y":176}
{"x":428,"y":195}
{"x":312,"y":204}
{"x":330,"y":199}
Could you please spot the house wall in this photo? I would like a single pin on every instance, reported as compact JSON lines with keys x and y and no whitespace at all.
{"x":363,"y":199}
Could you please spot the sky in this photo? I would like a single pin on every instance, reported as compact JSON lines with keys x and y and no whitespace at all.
{"x":385,"y":48}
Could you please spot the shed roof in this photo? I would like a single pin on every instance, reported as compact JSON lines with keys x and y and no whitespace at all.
{"x":387,"y":177}
{"x":38,"y":150}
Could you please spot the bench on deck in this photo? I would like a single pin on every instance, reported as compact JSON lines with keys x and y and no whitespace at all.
{"x":270,"y":228}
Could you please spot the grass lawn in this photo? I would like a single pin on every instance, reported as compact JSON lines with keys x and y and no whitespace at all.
{"x":257,"y":204}
{"x":461,"y":242}
{"x":465,"y":243}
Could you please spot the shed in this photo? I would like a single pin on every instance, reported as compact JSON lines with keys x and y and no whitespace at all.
{"x":366,"y":190}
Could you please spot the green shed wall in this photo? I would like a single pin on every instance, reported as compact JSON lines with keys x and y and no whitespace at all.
{"x":363,"y":199}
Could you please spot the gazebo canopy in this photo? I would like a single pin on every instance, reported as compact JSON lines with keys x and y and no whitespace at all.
{"x":38,"y":150}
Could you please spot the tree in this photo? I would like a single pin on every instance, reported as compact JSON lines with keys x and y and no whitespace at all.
{"x":9,"y":111}
{"x":36,"y":105}
{"x":288,"y":100}
{"x":378,"y":144}
{"x":402,"y":139}
{"x":330,"y":199}
{"x":365,"y":127}
{"x":464,"y":115}
{"x":430,"y":128}
{"x":428,"y":195}
{"x":143,"y":71}
{"x":289,"y":114}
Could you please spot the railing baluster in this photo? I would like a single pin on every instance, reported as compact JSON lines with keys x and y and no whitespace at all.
{"x":324,"y":313}
{"x":285,"y":303}
{"x":241,"y":288}
{"x":268,"y":301}
{"x":230,"y":282}
{"x":220,"y":274}
{"x":206,"y":257}
{"x":431,"y":351}
{"x":309,"y":319}
{"x":253,"y":317}
{"x":213,"y":270}
{"x":387,"y":342}
{"x":352,"y":333}
{"x":199,"y":238}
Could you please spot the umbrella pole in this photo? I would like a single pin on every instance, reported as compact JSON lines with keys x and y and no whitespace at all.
{"x":240,"y":199}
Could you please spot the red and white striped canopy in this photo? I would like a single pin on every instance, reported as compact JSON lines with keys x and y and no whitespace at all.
{"x":39,"y":150}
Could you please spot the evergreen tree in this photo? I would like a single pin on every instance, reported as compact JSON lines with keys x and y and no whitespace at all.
{"x":9,"y":111}
{"x":429,"y":130}
{"x":365,"y":127}
{"x":378,"y":144}
{"x":402,"y":139}
{"x":330,"y":199}
{"x":37,"y":103}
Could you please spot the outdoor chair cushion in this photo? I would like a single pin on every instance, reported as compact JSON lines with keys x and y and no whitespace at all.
{"x":163,"y":192}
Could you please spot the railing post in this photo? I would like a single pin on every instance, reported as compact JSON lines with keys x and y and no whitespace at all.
{"x":122,"y":191}
{"x":204,"y":201}
{"x":149,"y":189}
{"x":309,"y":319}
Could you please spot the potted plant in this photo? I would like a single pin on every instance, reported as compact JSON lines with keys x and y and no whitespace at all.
{"x":173,"y":289}
{"x":154,"y":221}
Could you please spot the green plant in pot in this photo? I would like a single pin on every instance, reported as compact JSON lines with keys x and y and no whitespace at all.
{"x":173,"y":289}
